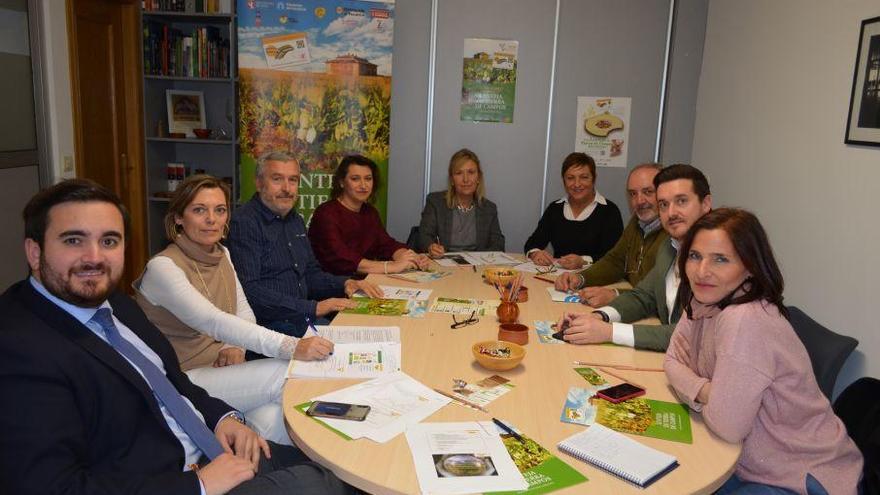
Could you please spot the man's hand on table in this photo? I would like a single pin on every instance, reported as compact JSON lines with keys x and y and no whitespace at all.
{"x":369,"y":288}
{"x":597,"y":297}
{"x":584,"y":328}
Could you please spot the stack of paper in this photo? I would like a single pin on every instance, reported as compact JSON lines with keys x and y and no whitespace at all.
{"x":396,"y":402}
{"x":405,"y":293}
{"x":359,"y":352}
{"x":476,"y":258}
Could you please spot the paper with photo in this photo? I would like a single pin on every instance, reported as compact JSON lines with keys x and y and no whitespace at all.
{"x":466,"y":457}
{"x":388,"y":307}
{"x":484,"y":391}
{"x":355,"y":360}
{"x":545,"y":332}
{"x":396,"y":401}
{"x":405,"y":293}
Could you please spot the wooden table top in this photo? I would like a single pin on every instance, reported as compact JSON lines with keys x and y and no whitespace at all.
{"x":435,"y":354}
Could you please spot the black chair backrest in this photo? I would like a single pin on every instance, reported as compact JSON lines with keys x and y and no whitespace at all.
{"x":858,"y":406}
{"x":413,"y":240}
{"x":828,"y":350}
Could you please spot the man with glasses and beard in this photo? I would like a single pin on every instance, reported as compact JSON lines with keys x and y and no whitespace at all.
{"x":95,"y":399}
{"x":683,"y":196}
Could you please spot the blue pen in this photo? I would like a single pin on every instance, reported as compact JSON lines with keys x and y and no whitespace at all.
{"x":313,"y":329}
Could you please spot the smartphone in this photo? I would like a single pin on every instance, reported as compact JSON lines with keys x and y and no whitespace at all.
{"x":338,"y":410}
{"x":620,"y":393}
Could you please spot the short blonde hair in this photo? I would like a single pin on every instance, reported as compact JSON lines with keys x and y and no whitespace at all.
{"x":184,"y":195}
{"x":459,"y":158}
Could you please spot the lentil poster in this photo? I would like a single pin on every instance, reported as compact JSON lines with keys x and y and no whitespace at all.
{"x":488,"y":86}
{"x":315,"y":82}
{"x":602,"y":129}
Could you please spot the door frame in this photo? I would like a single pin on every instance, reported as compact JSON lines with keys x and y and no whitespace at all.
{"x":132,"y":169}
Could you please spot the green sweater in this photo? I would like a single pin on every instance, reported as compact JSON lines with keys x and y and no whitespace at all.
{"x":649,"y":299}
{"x":622,"y":261}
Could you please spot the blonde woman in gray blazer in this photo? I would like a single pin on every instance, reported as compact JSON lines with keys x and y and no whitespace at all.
{"x":460,"y":218}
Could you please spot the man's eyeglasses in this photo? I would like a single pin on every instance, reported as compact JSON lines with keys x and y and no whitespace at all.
{"x":463,"y":323}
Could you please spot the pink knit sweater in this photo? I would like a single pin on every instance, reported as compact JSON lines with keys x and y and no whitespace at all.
{"x":763,"y":394}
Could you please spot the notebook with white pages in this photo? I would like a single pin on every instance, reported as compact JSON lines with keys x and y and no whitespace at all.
{"x":619,"y":455}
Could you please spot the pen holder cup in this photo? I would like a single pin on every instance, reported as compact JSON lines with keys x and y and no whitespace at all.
{"x":514,"y":332}
{"x":508,"y":312}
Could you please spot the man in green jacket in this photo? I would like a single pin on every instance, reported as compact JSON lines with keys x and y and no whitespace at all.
{"x":634,"y":254}
{"x":683,"y":196}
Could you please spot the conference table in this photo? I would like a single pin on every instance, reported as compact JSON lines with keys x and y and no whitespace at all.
{"x":435,"y":354}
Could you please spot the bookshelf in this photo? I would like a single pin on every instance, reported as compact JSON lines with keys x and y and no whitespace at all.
{"x":187,"y":46}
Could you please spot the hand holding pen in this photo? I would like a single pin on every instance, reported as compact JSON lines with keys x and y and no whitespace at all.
{"x":312,"y":347}
{"x":436,"y":250}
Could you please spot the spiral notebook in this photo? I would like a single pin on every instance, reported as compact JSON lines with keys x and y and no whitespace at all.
{"x":619,"y":455}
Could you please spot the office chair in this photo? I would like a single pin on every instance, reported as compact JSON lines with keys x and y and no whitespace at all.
{"x":828,"y":350}
{"x":858,"y":406}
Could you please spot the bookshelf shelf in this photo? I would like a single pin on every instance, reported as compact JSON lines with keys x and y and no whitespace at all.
{"x":177,"y":48}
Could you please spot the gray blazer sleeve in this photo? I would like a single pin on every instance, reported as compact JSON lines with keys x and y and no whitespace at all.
{"x":429,"y":226}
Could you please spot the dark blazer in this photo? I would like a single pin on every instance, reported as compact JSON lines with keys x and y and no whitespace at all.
{"x":437,"y":221}
{"x":77,"y":418}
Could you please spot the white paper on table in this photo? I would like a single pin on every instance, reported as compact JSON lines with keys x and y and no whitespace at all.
{"x":449,"y":305}
{"x":405,"y":293}
{"x":531,"y":267}
{"x":355,"y":360}
{"x":396,"y":401}
{"x":489,"y":258}
{"x":348,"y":334}
{"x":475,"y":446}
{"x":560,"y":296}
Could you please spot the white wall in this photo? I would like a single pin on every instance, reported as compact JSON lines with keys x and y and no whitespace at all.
{"x":57,"y":77}
{"x":771,"y":116}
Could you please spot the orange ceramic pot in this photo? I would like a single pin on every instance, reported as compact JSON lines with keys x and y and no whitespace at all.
{"x":508,"y":312}
{"x":514,"y":332}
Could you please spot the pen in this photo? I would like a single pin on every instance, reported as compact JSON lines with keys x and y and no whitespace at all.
{"x":461,"y":401}
{"x":509,"y":430}
{"x":314,"y":330}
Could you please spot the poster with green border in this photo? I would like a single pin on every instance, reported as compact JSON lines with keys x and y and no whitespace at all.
{"x":543,"y":471}
{"x":488,"y":84}
{"x":646,"y":417}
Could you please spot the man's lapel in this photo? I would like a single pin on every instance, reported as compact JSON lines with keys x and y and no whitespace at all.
{"x":68,"y":326}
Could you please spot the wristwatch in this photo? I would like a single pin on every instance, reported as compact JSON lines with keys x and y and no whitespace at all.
{"x":237,"y":416}
{"x":603,"y":315}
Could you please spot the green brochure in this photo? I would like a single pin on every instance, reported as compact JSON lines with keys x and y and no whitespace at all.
{"x":543,"y":471}
{"x":646,"y":417}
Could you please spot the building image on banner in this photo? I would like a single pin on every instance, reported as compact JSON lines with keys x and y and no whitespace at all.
{"x":315,"y":81}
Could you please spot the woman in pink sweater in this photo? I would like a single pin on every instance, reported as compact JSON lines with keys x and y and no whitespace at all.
{"x":736,"y":360}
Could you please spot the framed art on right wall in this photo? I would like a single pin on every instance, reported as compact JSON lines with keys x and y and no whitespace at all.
{"x":863,"y":121}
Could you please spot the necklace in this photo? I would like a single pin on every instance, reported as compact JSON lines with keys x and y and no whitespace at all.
{"x":205,"y":285}
{"x":464,"y":209}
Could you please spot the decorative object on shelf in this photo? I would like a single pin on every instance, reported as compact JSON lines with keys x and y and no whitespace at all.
{"x":863,"y":121}
{"x":186,"y":111}
{"x":203,"y":133}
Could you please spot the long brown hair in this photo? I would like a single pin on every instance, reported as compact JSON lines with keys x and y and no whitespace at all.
{"x":184,"y":195}
{"x":752,"y":246}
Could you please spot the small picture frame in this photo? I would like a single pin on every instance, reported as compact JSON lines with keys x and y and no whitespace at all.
{"x":186,"y":111}
{"x":863,"y":121}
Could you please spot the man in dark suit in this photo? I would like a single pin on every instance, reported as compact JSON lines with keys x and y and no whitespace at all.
{"x":94,"y":399}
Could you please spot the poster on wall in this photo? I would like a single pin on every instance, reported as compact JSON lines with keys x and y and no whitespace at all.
{"x":315,"y":82}
{"x":603,"y":129}
{"x":488,"y":85}
{"x":863,"y":122}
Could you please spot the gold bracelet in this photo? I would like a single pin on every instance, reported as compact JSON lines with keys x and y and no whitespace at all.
{"x":385,"y":267}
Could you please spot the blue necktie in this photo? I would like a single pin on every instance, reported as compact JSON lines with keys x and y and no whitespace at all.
{"x":163,"y":389}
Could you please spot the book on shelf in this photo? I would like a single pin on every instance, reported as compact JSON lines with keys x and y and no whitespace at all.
{"x":619,"y":455}
{"x":199,"y":51}
{"x":188,"y":6}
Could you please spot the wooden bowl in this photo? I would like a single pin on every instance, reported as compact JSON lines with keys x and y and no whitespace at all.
{"x":501,"y":275}
{"x":517,"y":353}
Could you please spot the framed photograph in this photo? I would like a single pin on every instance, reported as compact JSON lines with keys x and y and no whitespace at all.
{"x":186,"y":111}
{"x":863,"y":122}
